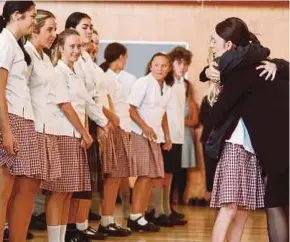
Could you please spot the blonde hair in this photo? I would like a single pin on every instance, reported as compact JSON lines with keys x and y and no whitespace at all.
{"x":56,"y":54}
{"x":214,"y":85}
{"x":41,"y":17}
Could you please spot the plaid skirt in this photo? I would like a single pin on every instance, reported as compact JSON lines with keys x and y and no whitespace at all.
{"x":27,"y":161}
{"x":148,"y":156}
{"x":238,"y":179}
{"x":126,"y":164}
{"x":75,"y":174}
{"x":49,"y":156}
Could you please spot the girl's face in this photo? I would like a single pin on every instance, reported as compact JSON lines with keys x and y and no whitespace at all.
{"x":26,"y":21}
{"x":47,"y":33}
{"x":160,"y":67}
{"x":71,"y":50}
{"x":122,"y":61}
{"x":180,"y":68}
{"x":85,"y":29}
{"x":219,"y":45}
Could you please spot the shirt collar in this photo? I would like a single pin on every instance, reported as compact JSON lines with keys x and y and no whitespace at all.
{"x":11,"y":36}
{"x":65,"y":67}
{"x":28,"y":43}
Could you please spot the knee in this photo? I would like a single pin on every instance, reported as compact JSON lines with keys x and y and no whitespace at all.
{"x":231,"y":209}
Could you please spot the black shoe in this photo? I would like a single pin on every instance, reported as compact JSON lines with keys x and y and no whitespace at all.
{"x":114,"y":230}
{"x":135,"y":226}
{"x":76,"y":236}
{"x":176,"y":214}
{"x":93,"y":234}
{"x":36,"y":223}
{"x":94,"y":216}
{"x":6,"y":235}
{"x":149,"y":216}
{"x":163,"y":221}
{"x":177,"y":221}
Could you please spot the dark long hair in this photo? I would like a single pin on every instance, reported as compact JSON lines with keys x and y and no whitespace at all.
{"x":74,"y":19}
{"x":9,"y":8}
{"x":236,"y":30}
{"x":112,"y":52}
{"x":169,"y":78}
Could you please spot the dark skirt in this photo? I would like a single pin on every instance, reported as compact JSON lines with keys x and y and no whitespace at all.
{"x":238,"y":179}
{"x":27,"y":161}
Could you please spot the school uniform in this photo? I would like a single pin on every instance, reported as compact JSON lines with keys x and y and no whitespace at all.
{"x":21,"y":118}
{"x":119,"y":88}
{"x":70,"y":88}
{"x":151,"y":102}
{"x":41,"y":81}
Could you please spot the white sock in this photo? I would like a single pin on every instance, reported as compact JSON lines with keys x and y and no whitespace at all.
{"x":142,"y":221}
{"x":6,"y":225}
{"x":62,"y":233}
{"x":83,"y":226}
{"x":106,"y":220}
{"x":53,"y":233}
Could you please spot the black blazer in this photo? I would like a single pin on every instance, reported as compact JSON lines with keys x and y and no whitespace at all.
{"x":264,"y":107}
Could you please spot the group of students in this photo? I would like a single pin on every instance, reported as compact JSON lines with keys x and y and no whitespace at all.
{"x":74,"y":129}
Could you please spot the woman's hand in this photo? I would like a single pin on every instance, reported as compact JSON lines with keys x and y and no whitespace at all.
{"x":10,"y":144}
{"x":168,"y":144}
{"x":212,"y":73}
{"x":268,"y":68}
{"x":87,"y":141}
{"x":149,"y":133}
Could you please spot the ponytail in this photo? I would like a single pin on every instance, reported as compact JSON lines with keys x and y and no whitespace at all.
{"x":27,"y":57}
{"x":105,"y":66}
{"x":2,"y":23}
{"x":253,"y":38}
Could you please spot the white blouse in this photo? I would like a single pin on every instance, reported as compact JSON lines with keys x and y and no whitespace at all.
{"x":71,"y":88}
{"x":119,"y":88}
{"x":17,"y":91}
{"x":151,"y":102}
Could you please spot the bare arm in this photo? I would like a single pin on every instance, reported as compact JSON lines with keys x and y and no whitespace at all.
{"x":73,"y":118}
{"x":8,"y":142}
{"x":165,"y":128}
{"x":193,"y":117}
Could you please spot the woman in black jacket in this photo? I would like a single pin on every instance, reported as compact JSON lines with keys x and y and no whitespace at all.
{"x":264,"y":108}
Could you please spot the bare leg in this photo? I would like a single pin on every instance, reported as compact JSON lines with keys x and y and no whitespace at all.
{"x":236,"y":229}
{"x":111,"y":188}
{"x":22,"y":204}
{"x":223,"y":221}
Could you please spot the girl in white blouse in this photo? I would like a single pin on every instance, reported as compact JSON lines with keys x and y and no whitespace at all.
{"x":119,"y":87}
{"x":20,"y":164}
{"x":73,"y":98}
{"x":148,"y":99}
{"x":95,"y":82}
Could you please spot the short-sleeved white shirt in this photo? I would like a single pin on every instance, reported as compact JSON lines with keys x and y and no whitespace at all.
{"x":71,"y":88}
{"x":119,"y":88}
{"x":151,"y":102}
{"x":41,"y":81}
{"x":17,"y":91}
{"x":175,"y":112}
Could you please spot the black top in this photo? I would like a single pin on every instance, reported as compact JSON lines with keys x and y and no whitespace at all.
{"x":263,"y":105}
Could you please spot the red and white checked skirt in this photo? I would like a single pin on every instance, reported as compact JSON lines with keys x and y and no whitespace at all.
{"x":50,"y":156}
{"x":238,"y":179}
{"x":148,"y":156}
{"x":126,"y":164}
{"x":75,"y":174}
{"x":27,"y":161}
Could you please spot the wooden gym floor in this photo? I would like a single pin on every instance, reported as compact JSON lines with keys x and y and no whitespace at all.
{"x":198,"y":229}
